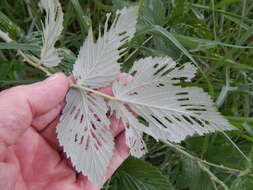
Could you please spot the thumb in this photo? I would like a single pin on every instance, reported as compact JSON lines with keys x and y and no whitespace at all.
{"x":44,"y":96}
{"x":19,"y":105}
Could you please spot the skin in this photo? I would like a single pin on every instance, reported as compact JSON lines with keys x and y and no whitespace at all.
{"x":30,"y":156}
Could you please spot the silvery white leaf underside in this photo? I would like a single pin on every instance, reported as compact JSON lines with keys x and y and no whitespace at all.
{"x":51,"y":32}
{"x":97,"y":64}
{"x":171,"y":111}
{"x":85,"y":135}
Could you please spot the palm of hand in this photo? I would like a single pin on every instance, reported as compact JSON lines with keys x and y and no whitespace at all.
{"x":30,"y":157}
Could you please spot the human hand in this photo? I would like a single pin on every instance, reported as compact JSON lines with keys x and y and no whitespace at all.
{"x":30,"y":157}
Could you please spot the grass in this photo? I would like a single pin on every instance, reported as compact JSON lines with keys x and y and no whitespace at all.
{"x":216,"y":36}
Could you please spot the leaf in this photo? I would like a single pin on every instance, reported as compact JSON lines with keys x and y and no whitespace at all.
{"x":85,"y":135}
{"x":96,"y":65}
{"x":137,"y":174}
{"x":192,"y":177}
{"x":120,"y":4}
{"x":179,"y":12}
{"x":51,"y":32}
{"x":168,"y":36}
{"x":224,"y":2}
{"x":133,"y":134}
{"x":5,"y":69}
{"x":13,"y":29}
{"x":82,"y":18}
{"x":150,"y":13}
{"x":173,"y":112}
{"x":23,"y":46}
{"x":242,"y":183}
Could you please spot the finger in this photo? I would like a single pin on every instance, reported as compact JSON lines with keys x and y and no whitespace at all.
{"x":43,"y":121}
{"x":44,"y":96}
{"x":20,"y":104}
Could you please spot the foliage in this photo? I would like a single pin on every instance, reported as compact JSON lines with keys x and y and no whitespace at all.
{"x":215,"y":35}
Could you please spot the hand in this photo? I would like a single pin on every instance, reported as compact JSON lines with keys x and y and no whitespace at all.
{"x":30,"y":157}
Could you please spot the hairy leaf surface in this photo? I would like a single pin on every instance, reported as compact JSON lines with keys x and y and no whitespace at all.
{"x":171,"y":111}
{"x":85,"y":134}
{"x":51,"y":32}
{"x":96,"y":65}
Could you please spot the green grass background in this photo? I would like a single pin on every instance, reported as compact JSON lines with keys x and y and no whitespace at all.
{"x":215,"y":35}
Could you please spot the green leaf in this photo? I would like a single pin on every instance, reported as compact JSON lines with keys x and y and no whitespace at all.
{"x":197,"y":44}
{"x":238,"y":21}
{"x":242,"y":183}
{"x":5,"y":69}
{"x":153,"y":11}
{"x":193,"y":177}
{"x":225,"y":2}
{"x":13,"y":29}
{"x":179,"y":12}
{"x":137,"y":174}
{"x":83,"y":19}
{"x":23,"y":46}
{"x":120,"y":4}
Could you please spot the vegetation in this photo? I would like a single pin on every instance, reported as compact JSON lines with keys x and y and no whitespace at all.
{"x":217,"y":36}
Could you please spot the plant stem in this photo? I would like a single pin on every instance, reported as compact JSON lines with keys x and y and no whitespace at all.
{"x":212,"y":176}
{"x":36,"y":65}
{"x":198,"y":160}
{"x":93,"y":91}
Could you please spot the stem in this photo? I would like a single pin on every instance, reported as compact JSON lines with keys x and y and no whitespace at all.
{"x":93,"y":91}
{"x":212,"y":176}
{"x":198,"y":160}
{"x":238,"y":149}
{"x":36,"y":65}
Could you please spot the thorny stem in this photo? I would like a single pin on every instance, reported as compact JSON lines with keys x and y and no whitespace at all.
{"x":202,"y":163}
